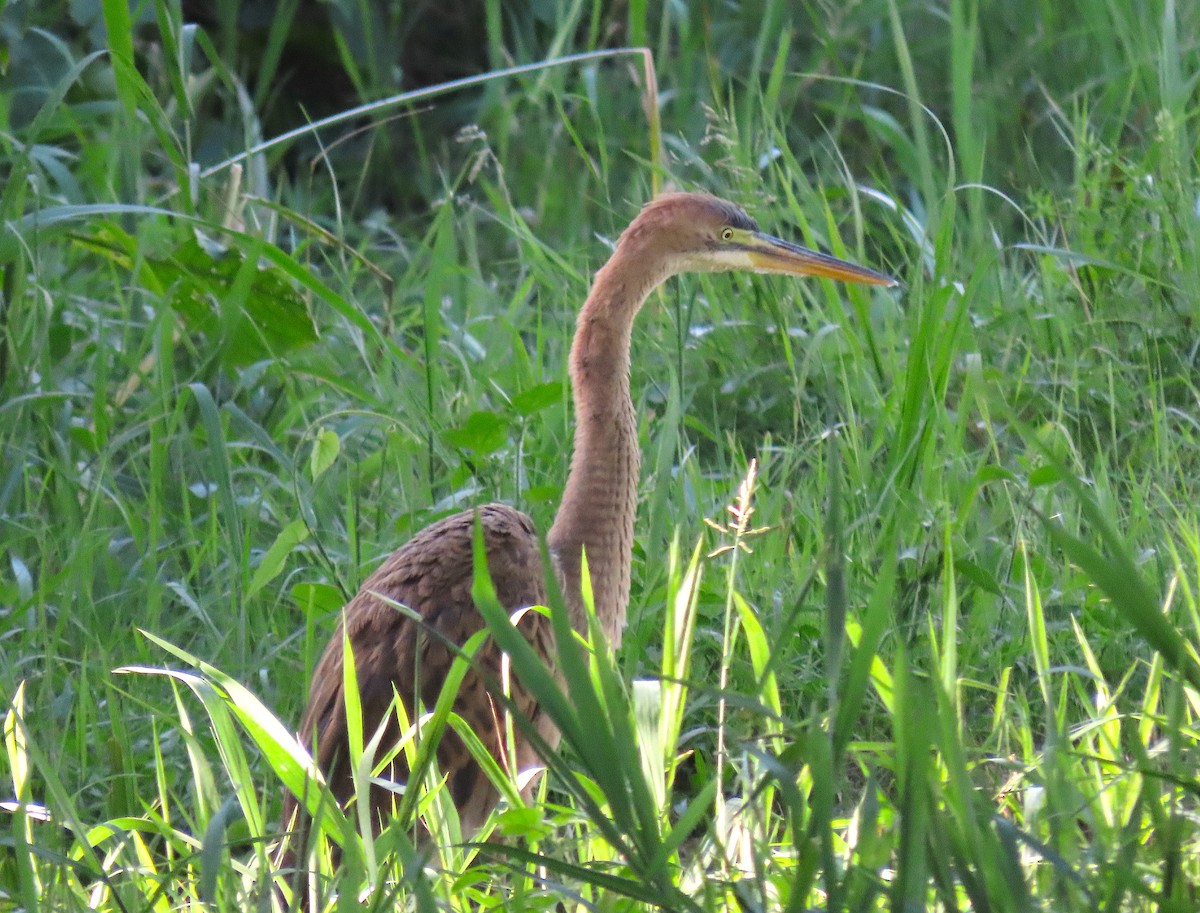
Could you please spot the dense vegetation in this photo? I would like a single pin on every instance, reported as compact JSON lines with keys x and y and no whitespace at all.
{"x":916,"y":608}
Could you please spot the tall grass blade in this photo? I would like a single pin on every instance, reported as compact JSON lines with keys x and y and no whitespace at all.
{"x":1117,"y":575}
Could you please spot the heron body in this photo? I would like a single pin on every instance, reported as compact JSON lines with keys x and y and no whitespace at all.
{"x":432,"y":575}
{"x":409,"y":654}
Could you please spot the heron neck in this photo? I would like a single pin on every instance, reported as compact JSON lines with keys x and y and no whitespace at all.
{"x":600,"y":498}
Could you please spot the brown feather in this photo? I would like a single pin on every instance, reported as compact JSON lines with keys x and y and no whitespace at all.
{"x":432,"y":575}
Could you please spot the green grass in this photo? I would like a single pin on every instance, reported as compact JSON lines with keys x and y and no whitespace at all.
{"x":943,"y":656}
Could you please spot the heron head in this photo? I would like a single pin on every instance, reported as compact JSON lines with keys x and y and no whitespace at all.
{"x":697,"y":232}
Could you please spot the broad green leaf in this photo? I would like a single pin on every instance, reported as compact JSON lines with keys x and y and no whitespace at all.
{"x":482,"y":432}
{"x":204,"y":280}
{"x":272,"y":562}
{"x":325,"y":452}
{"x":537,"y":398}
{"x":317,"y":598}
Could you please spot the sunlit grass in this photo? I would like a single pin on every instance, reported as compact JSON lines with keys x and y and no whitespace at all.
{"x":943,"y":655}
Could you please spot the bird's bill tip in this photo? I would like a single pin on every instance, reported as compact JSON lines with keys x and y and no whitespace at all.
{"x":781,"y":256}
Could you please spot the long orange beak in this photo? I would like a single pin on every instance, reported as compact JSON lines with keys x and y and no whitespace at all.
{"x":778,"y":256}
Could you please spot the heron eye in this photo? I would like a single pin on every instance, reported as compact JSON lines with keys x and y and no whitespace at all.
{"x":726,"y":234}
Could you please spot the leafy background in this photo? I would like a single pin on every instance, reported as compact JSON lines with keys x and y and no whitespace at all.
{"x":949,"y":659}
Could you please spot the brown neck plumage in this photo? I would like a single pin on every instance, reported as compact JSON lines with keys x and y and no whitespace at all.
{"x":600,"y":498}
